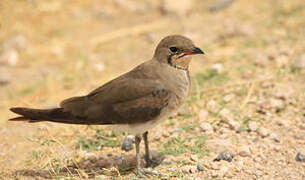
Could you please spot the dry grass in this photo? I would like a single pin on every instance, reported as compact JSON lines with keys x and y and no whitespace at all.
{"x":67,"y":40}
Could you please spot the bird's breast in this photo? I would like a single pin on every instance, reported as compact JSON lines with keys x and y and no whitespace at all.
{"x":180,"y":85}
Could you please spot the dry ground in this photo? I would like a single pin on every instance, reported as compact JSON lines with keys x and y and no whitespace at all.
{"x":249,"y":87}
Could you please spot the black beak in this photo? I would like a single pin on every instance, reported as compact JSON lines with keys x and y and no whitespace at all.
{"x":197,"y":50}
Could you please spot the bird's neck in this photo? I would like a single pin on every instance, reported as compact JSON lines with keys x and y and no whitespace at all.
{"x":180,"y":63}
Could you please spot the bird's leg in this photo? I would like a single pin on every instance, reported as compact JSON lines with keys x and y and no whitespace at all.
{"x":148,"y":160}
{"x":138,"y":156}
{"x":141,"y":171}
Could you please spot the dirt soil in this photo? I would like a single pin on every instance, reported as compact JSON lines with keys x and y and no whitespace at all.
{"x":247,"y":105}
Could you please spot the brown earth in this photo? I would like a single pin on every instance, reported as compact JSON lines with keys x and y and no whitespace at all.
{"x":248,"y":90}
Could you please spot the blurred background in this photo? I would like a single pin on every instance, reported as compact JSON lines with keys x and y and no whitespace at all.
{"x":253,"y":72}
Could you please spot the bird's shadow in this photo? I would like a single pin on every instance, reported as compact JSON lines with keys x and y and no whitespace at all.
{"x":91,"y":167}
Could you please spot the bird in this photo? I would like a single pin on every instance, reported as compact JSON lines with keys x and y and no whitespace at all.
{"x":134,"y":102}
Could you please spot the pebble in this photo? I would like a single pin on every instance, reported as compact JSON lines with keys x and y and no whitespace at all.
{"x":223,"y":171}
{"x":203,"y":115}
{"x":172,"y":7}
{"x":300,"y":157}
{"x":228,"y":97}
{"x":157,"y":136}
{"x":276,"y":103}
{"x":206,"y":127}
{"x":244,"y":151}
{"x":253,"y":126}
{"x":99,"y":67}
{"x":261,"y":60}
{"x":259,"y":173}
{"x":263,"y":132}
{"x":225,"y":155}
{"x":214,"y":174}
{"x":220,"y":5}
{"x":4,"y":77}
{"x":226,"y":114}
{"x":189,"y":169}
{"x":168,"y":160}
{"x":300,"y":62}
{"x":227,"y":117}
{"x":194,"y":158}
{"x":165,"y":134}
{"x":301,"y":126}
{"x":127,"y":144}
{"x":275,"y":137}
{"x":9,"y":57}
{"x":199,"y":167}
{"x":183,"y":111}
{"x":17,"y":42}
{"x":281,"y":61}
{"x":213,"y":106}
{"x":217,"y":68}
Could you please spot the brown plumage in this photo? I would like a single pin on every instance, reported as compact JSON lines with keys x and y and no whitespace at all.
{"x":137,"y":100}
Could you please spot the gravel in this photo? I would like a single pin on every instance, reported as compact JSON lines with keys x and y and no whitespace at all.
{"x":127,"y":144}
{"x":199,"y":167}
{"x":300,"y":157}
{"x":225,"y":155}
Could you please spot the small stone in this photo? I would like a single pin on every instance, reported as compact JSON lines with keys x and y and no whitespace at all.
{"x":100,"y":66}
{"x":275,"y":103}
{"x":301,"y":126}
{"x":4,"y":77}
{"x":183,"y":111}
{"x":158,"y":134}
{"x":217,"y":68}
{"x":203,"y":115}
{"x":214,"y":174}
{"x":234,"y":125}
{"x":223,"y":171}
{"x":168,"y":160}
{"x":244,"y":151}
{"x":206,"y":127}
{"x":194,"y":158}
{"x":165,"y":134}
{"x":17,"y":41}
{"x":199,"y":167}
{"x":300,"y":62}
{"x":228,"y":97}
{"x":213,"y":106}
{"x":259,"y":173}
{"x":261,"y":60}
{"x":189,"y":169}
{"x":225,"y":155}
{"x":220,"y":5}
{"x":9,"y":57}
{"x":127,"y":144}
{"x":89,"y":155}
{"x":226,"y":114}
{"x":253,"y":126}
{"x":300,"y":157}
{"x":263,"y":132}
{"x":227,"y":117}
{"x":275,"y":137}
{"x":281,"y":61}
{"x":172,"y":7}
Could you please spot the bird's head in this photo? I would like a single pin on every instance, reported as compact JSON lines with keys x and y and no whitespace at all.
{"x":176,"y":50}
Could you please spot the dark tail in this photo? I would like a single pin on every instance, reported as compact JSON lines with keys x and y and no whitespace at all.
{"x":53,"y":115}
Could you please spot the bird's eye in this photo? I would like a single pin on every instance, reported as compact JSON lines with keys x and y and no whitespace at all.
{"x":173,"y":49}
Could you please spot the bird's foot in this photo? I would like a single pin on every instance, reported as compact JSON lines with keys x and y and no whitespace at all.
{"x":147,"y":171}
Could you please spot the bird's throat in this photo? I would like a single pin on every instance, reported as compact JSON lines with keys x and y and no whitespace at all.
{"x":179,"y":63}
